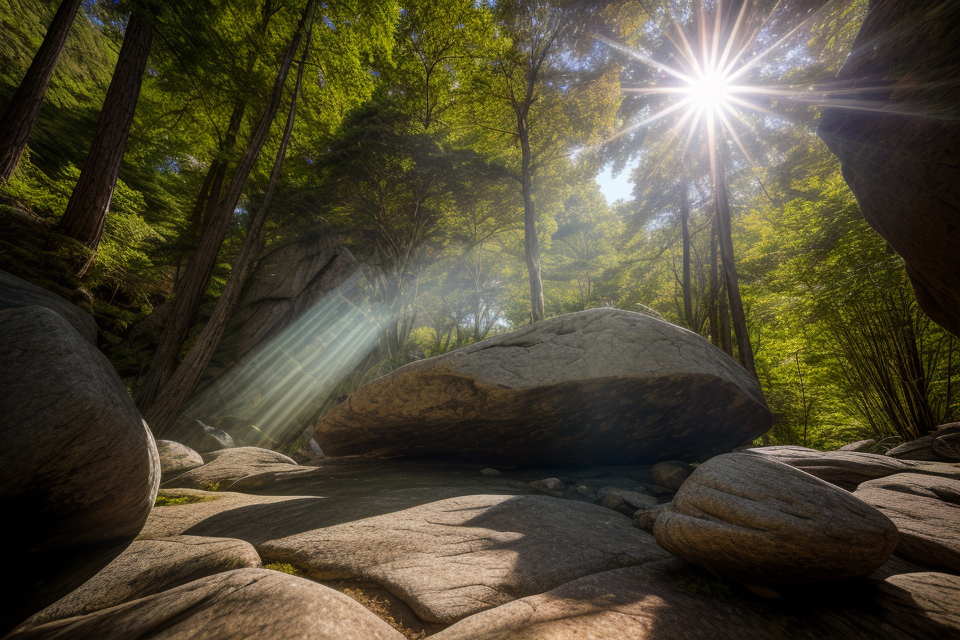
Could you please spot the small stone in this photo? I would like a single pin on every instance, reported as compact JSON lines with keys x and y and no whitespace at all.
{"x":550,"y":486}
{"x":624,"y":501}
{"x":490,"y":472}
{"x":671,"y":474}
{"x":585,"y":493}
{"x":646,"y":518}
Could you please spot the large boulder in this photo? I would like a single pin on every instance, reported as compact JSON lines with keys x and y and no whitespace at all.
{"x":79,"y":469}
{"x":245,"y":603}
{"x":764,"y":522}
{"x":176,"y":458}
{"x":899,"y":152}
{"x":451,"y":558}
{"x":148,"y":567}
{"x":597,"y":386}
{"x":926,"y":510}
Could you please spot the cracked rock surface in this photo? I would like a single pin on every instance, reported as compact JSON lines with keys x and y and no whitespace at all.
{"x":451,"y":558}
{"x":602,"y":385}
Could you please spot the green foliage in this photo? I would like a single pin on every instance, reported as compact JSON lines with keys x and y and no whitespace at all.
{"x":283,"y":567}
{"x":172,"y":500}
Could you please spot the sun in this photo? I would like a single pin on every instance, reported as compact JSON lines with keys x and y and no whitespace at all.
{"x":710,"y":91}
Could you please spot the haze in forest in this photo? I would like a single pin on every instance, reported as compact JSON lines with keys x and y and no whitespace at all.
{"x":454,"y":148}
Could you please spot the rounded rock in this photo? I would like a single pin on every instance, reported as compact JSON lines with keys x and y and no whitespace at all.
{"x":764,"y":522}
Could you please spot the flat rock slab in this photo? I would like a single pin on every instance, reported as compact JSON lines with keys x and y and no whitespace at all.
{"x":455,"y":557}
{"x":672,"y":600}
{"x":173,"y":520}
{"x":926,"y":510}
{"x":848,"y":469}
{"x":246,"y":603}
{"x":602,"y":385}
{"x":764,"y":522}
{"x":226,"y":466}
{"x":148,"y":567}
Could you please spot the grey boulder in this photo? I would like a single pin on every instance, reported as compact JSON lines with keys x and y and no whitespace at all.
{"x":938,"y":446}
{"x":16,"y":293}
{"x":79,"y":470}
{"x":926,"y":511}
{"x":176,"y":458}
{"x":148,"y":567}
{"x":226,"y":466}
{"x":764,"y":522}
{"x":245,"y":603}
{"x":601,"y":385}
{"x":451,"y":558}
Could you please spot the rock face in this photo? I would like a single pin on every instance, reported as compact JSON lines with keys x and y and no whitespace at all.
{"x":176,"y":458}
{"x":599,"y":385}
{"x":926,"y":510}
{"x":226,"y":466}
{"x":246,"y":603}
{"x":455,"y":557}
{"x":16,"y":293}
{"x":79,"y":469}
{"x":285,"y":282}
{"x":764,"y":522}
{"x":902,"y":163}
{"x":148,"y":567}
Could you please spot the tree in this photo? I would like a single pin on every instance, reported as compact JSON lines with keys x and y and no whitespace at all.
{"x":22,"y":112}
{"x":86,"y":212}
{"x":177,"y":391}
{"x":190,"y":288}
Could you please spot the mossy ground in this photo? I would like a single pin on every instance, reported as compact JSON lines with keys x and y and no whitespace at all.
{"x":173,"y":500}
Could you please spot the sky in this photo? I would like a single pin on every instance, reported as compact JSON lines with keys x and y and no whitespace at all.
{"x":618,"y":188}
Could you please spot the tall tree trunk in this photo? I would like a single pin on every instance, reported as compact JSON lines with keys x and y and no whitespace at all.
{"x":23,"y":110}
{"x":714,"y":286}
{"x":86,"y":212}
{"x":190,"y":289}
{"x":178,"y":390}
{"x":730,"y":270}
{"x":531,"y":245}
{"x":685,"y":232}
{"x":726,"y":344}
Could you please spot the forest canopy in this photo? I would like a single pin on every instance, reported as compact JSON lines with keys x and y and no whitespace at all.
{"x":454,"y":147}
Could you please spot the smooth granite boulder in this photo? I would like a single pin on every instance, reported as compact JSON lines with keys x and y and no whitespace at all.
{"x":79,"y":469}
{"x":764,"y":522}
{"x":451,"y":558}
{"x":671,"y":474}
{"x":937,"y":446}
{"x":926,"y":510}
{"x":602,"y":385}
{"x":245,"y":603}
{"x":148,"y":567}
